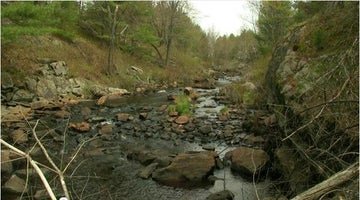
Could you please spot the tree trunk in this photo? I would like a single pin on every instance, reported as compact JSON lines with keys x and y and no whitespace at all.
{"x":326,"y":186}
{"x":110,"y":67}
{"x":159,"y":54}
{"x":173,"y":9}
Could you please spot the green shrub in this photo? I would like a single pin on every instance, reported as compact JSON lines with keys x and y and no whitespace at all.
{"x":182,"y":105}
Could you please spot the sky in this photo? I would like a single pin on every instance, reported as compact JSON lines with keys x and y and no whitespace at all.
{"x":224,"y":16}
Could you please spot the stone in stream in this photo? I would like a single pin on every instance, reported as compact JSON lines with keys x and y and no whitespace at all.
{"x":19,"y":136}
{"x":123,"y":117}
{"x":6,"y":164}
{"x":182,"y":120}
{"x":80,"y":127}
{"x":143,"y":116}
{"x":205,"y":129}
{"x":15,"y":185}
{"x":247,"y":161}
{"x":187,"y":169}
{"x":209,"y":147}
{"x":146,"y":172}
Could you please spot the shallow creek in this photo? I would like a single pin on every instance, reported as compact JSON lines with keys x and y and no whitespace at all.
{"x":102,"y":171}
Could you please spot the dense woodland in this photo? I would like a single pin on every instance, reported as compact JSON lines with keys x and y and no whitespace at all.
{"x":318,"y":122}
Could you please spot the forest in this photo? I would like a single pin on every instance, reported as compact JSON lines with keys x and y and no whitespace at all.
{"x":127,"y":86}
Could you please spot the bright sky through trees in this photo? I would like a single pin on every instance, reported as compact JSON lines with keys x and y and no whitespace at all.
{"x":225,"y":17}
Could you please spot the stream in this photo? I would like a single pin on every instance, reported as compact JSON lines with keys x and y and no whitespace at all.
{"x":101,"y":169}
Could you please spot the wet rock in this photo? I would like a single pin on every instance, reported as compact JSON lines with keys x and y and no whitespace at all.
{"x":6,"y":164}
{"x":145,"y":157}
{"x":96,"y":143}
{"x":188,"y":90}
{"x":189,"y":127}
{"x":209,"y":147}
{"x":247,"y":160}
{"x":187,"y":169}
{"x":173,"y":113}
{"x":60,"y":68}
{"x":85,"y":111}
{"x":146,"y":172}
{"x":80,"y":127}
{"x":182,"y":120}
{"x":15,"y":185}
{"x":171,"y":97}
{"x":228,"y":134}
{"x":41,"y":194}
{"x":143,"y":116}
{"x":106,"y":129}
{"x":101,"y":100}
{"x":19,"y":136}
{"x":223,"y":195}
{"x":205,"y":129}
{"x":162,"y":108}
{"x":62,"y":114}
{"x":148,"y":134}
{"x":219,"y":163}
{"x":123,"y":117}
{"x":165,"y":136}
{"x":254,"y":140}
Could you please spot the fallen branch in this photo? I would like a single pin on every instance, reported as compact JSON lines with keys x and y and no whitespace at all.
{"x":58,"y":171}
{"x":34,"y":165}
{"x":329,"y":184}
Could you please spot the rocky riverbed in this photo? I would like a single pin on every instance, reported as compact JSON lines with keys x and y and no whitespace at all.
{"x":131,"y":146}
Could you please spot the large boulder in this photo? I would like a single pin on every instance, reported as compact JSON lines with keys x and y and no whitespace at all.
{"x":187,"y":169}
{"x":247,"y":161}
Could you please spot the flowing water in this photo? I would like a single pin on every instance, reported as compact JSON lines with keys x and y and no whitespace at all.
{"x":103,"y":171}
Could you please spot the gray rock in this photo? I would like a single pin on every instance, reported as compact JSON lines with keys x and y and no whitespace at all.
{"x":6,"y":81}
{"x":146,"y":172}
{"x":46,"y":88}
{"x":6,"y":164}
{"x":41,"y":194}
{"x":30,"y":84}
{"x":206,"y":129}
{"x":223,"y":195}
{"x":209,"y":147}
{"x":23,"y":95}
{"x":60,"y":68}
{"x":187,"y":169}
{"x":15,"y":185}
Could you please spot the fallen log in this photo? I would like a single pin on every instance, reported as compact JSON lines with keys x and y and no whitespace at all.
{"x":328,"y":184}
